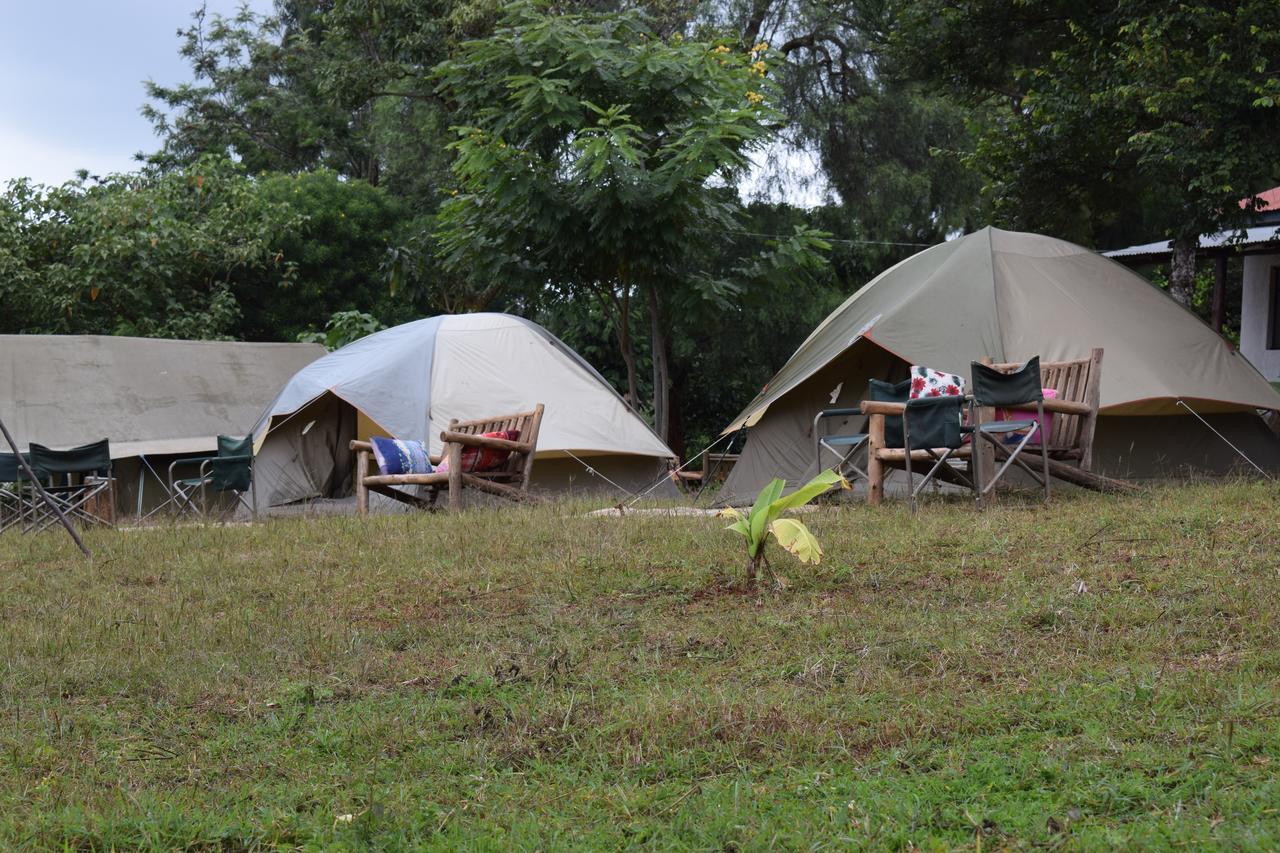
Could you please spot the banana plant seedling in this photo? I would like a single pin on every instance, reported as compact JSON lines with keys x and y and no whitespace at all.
{"x":764,"y":518}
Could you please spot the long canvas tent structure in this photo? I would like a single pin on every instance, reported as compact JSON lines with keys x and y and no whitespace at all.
{"x":1009,"y":296}
{"x":408,"y":382}
{"x":151,"y":398}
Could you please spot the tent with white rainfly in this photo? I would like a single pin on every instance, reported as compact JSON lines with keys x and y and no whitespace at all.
{"x":409,"y":381}
{"x":1009,"y":296}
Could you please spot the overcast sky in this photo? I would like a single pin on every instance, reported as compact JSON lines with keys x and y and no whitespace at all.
{"x":71,"y":74}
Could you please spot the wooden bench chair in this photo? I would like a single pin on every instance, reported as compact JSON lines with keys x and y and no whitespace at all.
{"x":715,"y":466}
{"x":510,"y":481}
{"x":1075,"y":414}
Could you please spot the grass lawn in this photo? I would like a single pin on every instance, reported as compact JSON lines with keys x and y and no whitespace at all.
{"x":1102,"y":672}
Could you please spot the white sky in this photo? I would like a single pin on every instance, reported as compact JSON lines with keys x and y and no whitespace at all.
{"x":71,"y":74}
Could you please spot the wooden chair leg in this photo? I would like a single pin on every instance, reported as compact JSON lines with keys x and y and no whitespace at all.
{"x":362,"y":491}
{"x":454,"y":452}
{"x":875,"y":466}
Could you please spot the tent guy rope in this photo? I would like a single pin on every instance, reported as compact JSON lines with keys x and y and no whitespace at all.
{"x":1224,"y":439}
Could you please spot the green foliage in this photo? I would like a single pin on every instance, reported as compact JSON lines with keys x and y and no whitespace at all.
{"x":343,"y":328}
{"x":318,"y":85}
{"x":1104,"y":118}
{"x":346,"y":228}
{"x":764,"y":520}
{"x":157,"y":255}
{"x":592,"y":144}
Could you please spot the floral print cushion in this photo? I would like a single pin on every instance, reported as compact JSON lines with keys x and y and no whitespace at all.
{"x":927,"y":382}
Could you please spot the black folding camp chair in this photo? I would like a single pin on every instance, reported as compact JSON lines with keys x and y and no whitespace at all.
{"x":229,"y":472}
{"x":933,"y":424}
{"x":78,"y":480}
{"x":1019,"y":389}
{"x":12,"y":505}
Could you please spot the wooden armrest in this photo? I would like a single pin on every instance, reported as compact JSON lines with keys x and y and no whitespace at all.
{"x":367,"y":447}
{"x":469,"y":440}
{"x":874,"y":407}
{"x":1066,"y":407}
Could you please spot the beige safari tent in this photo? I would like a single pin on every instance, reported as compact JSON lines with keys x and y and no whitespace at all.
{"x":1010,"y":296}
{"x":153,"y":399}
{"x":409,"y":381}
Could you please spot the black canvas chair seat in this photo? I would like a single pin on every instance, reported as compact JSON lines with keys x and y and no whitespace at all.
{"x":933,"y":424}
{"x":75,"y":479}
{"x":12,"y":504}
{"x":1018,"y":389}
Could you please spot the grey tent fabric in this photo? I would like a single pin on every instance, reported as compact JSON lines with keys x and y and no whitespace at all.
{"x":1010,"y":296}
{"x":146,"y":395}
{"x":409,"y":381}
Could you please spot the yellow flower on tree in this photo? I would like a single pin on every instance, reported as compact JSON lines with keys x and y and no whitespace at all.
{"x":755,"y":97}
{"x":759,"y":67}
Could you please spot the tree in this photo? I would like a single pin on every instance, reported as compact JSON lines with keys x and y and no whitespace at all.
{"x":1108,"y":114}
{"x":345,"y":231}
{"x":319,"y":84}
{"x":597,"y":160}
{"x":148,"y":255}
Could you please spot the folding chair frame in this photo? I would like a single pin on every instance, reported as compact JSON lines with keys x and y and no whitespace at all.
{"x":990,"y":431}
{"x":72,"y":500}
{"x":845,"y":463}
{"x":940,"y":459}
{"x":182,"y":492}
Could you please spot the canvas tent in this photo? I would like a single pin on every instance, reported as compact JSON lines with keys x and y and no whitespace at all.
{"x":409,"y":381}
{"x":1009,"y":296}
{"x":152,"y":398}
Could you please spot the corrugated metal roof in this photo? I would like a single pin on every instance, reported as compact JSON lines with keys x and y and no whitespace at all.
{"x":1257,"y":235}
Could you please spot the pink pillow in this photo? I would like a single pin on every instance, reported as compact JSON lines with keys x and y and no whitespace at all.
{"x":484,"y":458}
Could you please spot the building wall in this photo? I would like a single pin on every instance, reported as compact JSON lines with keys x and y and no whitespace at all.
{"x":1253,"y":315}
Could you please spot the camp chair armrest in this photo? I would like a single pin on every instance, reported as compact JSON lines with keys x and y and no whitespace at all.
{"x":469,"y":440}
{"x":875,"y":407}
{"x":198,"y":461}
{"x":847,"y":411}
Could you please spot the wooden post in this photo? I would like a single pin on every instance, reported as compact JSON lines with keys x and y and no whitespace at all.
{"x":454,"y":452}
{"x":875,"y":467}
{"x":362,"y":492}
{"x":1219,"y":293}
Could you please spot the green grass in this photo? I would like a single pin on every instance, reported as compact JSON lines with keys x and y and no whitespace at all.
{"x":1102,"y":672}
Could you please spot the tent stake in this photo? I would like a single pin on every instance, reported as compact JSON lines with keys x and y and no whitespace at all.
{"x":1224,"y":439}
{"x":35,"y":484}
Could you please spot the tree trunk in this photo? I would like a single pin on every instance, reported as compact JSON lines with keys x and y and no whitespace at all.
{"x":1182,"y":272}
{"x":660,"y":345}
{"x":627,"y":347}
